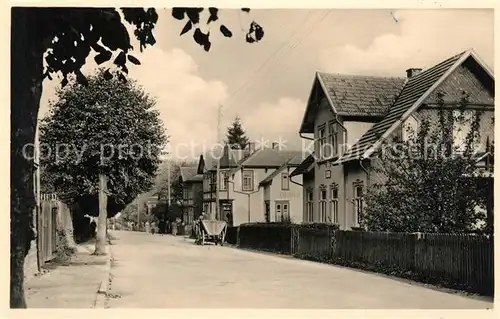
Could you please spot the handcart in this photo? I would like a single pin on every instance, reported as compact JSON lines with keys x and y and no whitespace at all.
{"x":211,"y":231}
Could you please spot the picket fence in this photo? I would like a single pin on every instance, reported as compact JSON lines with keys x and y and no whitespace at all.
{"x":465,"y":261}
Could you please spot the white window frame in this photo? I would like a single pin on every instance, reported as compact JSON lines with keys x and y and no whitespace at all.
{"x":223,"y":181}
{"x":332,"y":139}
{"x":321,"y":140}
{"x":247,"y":180}
{"x":322,"y":205}
{"x":310,"y":206}
{"x":334,"y":204}
{"x":285,"y":181}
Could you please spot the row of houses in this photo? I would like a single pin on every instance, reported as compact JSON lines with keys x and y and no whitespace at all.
{"x":353,"y":115}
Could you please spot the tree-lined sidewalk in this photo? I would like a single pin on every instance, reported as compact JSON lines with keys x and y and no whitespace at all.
{"x":70,"y":285}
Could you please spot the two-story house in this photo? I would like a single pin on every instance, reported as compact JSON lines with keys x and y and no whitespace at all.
{"x":261,"y":189}
{"x":356,"y":114}
{"x":207,"y":166}
{"x":192,"y":193}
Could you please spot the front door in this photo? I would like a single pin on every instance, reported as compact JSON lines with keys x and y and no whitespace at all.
{"x":282,"y":212}
{"x":278,"y":212}
{"x":227,"y":212}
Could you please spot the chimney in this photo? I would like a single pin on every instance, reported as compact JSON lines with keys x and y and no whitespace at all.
{"x":412,"y":72}
{"x":276,"y":146}
{"x":251,"y":147}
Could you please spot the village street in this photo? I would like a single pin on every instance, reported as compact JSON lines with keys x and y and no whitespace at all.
{"x":152,"y":271}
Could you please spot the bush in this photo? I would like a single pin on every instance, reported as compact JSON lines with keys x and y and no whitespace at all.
{"x":273,"y":237}
{"x":232,"y":235}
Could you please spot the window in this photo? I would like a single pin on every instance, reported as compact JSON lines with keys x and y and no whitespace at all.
{"x":206,"y":183}
{"x":185,"y":193}
{"x":190,"y":216}
{"x":332,"y":139}
{"x":310,"y":207}
{"x":322,"y":141}
{"x":328,"y":174}
{"x":223,"y":181}
{"x":285,"y":182}
{"x":205,"y":208}
{"x":322,"y":206}
{"x":277,"y":212}
{"x":410,"y":128}
{"x":248,"y":180}
{"x":358,"y":201}
{"x":334,"y":203}
{"x":462,"y":125}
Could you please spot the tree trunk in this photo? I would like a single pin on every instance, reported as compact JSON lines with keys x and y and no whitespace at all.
{"x":26,"y":89}
{"x":100,"y":243}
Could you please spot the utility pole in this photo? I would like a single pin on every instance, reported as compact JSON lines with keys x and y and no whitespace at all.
{"x":217,"y":181}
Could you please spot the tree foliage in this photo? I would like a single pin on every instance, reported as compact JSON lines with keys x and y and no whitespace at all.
{"x":236,"y":135}
{"x":430,"y":183}
{"x":193,"y":16}
{"x":64,"y":37}
{"x":108,"y":127}
{"x":70,"y":34}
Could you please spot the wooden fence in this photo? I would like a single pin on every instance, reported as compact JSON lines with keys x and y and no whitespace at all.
{"x":53,"y":215}
{"x":457,"y":260}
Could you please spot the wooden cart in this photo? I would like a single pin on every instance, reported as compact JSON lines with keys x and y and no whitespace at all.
{"x":211,"y":231}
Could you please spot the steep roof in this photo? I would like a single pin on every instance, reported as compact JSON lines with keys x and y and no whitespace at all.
{"x":268,"y":157}
{"x":304,"y":167}
{"x":413,"y":94}
{"x":271,"y":176}
{"x":190,"y":174}
{"x":352,"y":95}
{"x":210,"y":159}
{"x":361,"y":95}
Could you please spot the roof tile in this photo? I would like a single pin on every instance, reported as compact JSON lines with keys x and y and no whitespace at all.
{"x":412,"y":91}
{"x":361,"y":95}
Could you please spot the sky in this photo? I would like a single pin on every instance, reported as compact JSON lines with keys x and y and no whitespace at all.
{"x":268,"y":83}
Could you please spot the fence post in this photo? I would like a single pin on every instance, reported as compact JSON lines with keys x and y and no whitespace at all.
{"x":238,"y":236}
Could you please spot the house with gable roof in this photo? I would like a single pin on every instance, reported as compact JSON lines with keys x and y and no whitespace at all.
{"x":192,"y":193}
{"x":261,"y":189}
{"x":353,"y":115}
{"x":207,"y":168}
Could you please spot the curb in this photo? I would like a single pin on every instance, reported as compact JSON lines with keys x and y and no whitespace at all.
{"x":103,"y":287}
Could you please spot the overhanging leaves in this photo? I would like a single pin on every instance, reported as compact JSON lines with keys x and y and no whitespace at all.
{"x":187,"y":27}
{"x":225,"y":31}
{"x":103,"y":57}
{"x":133,"y":59}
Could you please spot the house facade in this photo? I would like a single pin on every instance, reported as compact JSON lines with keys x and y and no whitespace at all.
{"x":207,"y":167}
{"x":348,"y":118}
{"x":260,"y":187}
{"x":192,"y":193}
